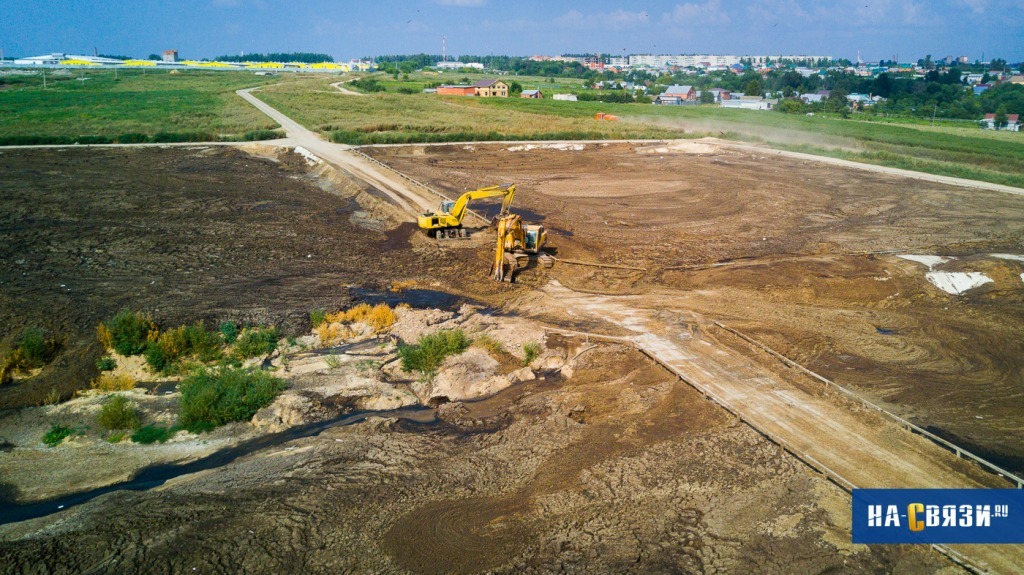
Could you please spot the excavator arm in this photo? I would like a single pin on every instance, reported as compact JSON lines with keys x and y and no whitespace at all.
{"x":451,"y":214}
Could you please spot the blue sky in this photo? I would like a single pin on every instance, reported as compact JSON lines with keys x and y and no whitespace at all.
{"x":207,"y":28}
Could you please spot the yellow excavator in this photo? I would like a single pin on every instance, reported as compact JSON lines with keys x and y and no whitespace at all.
{"x":516,"y":243}
{"x":446,"y":222}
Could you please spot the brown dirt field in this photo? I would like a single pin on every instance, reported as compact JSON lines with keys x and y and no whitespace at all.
{"x":192,"y":234}
{"x":620,"y":468}
{"x":780,"y":249}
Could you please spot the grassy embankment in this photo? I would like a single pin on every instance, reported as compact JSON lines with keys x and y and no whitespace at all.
{"x":950,"y":149}
{"x":93,"y":106}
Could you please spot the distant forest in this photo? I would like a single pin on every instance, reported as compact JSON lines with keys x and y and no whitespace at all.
{"x":305,"y":57}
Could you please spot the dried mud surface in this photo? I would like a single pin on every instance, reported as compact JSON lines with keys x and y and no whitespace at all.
{"x":786,"y":251}
{"x":621,"y":470}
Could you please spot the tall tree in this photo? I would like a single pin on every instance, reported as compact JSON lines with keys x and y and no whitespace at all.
{"x":753,"y":88}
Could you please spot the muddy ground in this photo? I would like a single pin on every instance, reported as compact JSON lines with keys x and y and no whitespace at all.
{"x":205,"y":233}
{"x":794,"y":253}
{"x":618,"y":468}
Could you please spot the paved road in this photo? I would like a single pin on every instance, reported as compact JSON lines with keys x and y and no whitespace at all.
{"x":832,"y":434}
{"x":412,"y":199}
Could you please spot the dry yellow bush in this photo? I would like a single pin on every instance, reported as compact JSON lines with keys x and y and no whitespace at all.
{"x":381,"y":317}
{"x":104,"y":336}
{"x":403,"y":285}
{"x":112,"y":382}
{"x":330,"y":332}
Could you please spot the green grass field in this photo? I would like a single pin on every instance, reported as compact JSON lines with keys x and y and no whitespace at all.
{"x":92,"y":105}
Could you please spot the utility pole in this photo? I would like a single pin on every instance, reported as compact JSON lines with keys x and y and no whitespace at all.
{"x":44,"y":79}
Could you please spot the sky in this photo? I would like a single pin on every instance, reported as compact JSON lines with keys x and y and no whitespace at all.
{"x":879,"y":29}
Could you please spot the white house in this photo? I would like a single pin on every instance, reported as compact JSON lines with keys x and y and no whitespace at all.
{"x":1012,"y":123}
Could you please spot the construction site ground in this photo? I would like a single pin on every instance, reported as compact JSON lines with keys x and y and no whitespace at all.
{"x":620,"y":467}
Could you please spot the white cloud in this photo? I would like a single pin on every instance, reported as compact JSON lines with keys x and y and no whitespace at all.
{"x":462,"y":3}
{"x":709,"y":12}
{"x":616,"y":20}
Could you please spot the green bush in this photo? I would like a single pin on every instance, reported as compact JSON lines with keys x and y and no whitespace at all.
{"x":128,"y":332}
{"x":57,"y":434}
{"x":210,"y":398}
{"x":153,"y":433}
{"x":530,"y":352}
{"x":118,"y":413}
{"x":36,"y":140}
{"x":256,"y":135}
{"x":86,"y":140}
{"x":132,"y":138}
{"x":180,"y":342}
{"x":35,"y":348}
{"x":317,"y":317}
{"x":172,"y":137}
{"x":430,"y":350}
{"x":229,"y":331}
{"x":257,"y":341}
{"x":106,"y":364}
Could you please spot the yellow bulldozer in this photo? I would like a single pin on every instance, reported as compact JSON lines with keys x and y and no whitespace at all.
{"x":516,"y":243}
{"x":446,"y":222}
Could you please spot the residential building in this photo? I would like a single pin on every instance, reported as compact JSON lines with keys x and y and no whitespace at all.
{"x":668,"y":100}
{"x":532,"y":94}
{"x":720,"y":94}
{"x":456,"y":91}
{"x":1018,"y":79}
{"x":170,"y":56}
{"x":491,"y":89}
{"x":684,"y":92}
{"x":980,"y":89}
{"x":1012,"y":122}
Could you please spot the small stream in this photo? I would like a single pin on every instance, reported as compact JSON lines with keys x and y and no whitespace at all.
{"x":156,"y":475}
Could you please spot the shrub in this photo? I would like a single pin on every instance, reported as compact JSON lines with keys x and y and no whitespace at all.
{"x":486,"y":341}
{"x":256,"y":135}
{"x":172,"y":137}
{"x":329,"y":333}
{"x":116,"y":437}
{"x":530,"y":352}
{"x":106,"y":364}
{"x":153,"y":433}
{"x":317,"y":317}
{"x":380,"y":317}
{"x":132,"y":138}
{"x":57,"y":434}
{"x":430,"y":350}
{"x":257,"y":341}
{"x":118,"y":413}
{"x":87,"y":140}
{"x":214,"y":397}
{"x":35,"y":348}
{"x":332,"y":361}
{"x":111,"y":382}
{"x":229,"y":331}
{"x":127,"y":333}
{"x":183,"y":341}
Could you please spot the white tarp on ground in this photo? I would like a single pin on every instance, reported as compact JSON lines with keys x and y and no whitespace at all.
{"x":957,"y":283}
{"x":1014,"y":257}
{"x":930,"y":261}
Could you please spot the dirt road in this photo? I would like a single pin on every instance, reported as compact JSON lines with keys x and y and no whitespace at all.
{"x":835,"y":435}
{"x":414,"y":201}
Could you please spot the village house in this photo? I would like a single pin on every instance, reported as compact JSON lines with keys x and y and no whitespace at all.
{"x":533,"y":94}
{"x":1012,"y":123}
{"x":686,"y":93}
{"x":491,"y":89}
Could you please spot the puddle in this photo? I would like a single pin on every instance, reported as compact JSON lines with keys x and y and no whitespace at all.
{"x":419,"y":298}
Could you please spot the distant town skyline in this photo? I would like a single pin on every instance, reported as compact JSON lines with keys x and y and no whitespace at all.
{"x":878,"y":29}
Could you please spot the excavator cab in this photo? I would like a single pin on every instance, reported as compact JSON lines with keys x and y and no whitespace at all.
{"x":531,"y":242}
{"x":446,"y":207}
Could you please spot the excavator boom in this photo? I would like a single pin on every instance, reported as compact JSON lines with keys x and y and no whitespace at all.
{"x":451,"y":214}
